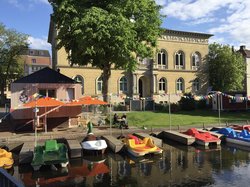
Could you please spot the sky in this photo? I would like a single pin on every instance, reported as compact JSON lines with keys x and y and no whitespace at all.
{"x":227,"y":20}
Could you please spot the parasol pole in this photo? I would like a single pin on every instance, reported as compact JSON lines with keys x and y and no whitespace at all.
{"x":110,"y":125}
{"x":35,"y":122}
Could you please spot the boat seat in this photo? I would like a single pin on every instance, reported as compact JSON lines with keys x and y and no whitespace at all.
{"x":137,"y":141}
{"x":192,"y":132}
{"x":244,"y":133}
{"x":233,"y":134}
{"x":51,"y":145}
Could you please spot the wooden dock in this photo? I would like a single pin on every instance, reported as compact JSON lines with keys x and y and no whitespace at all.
{"x":113,"y":143}
{"x":179,"y":137}
{"x":157,"y":141}
{"x":26,"y":153}
{"x":75,"y":149}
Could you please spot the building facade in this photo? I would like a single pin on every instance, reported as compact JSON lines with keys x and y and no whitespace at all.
{"x":173,"y":71}
{"x":35,"y":59}
{"x":246,"y":55}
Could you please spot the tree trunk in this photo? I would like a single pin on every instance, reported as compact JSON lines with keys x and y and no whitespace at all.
{"x":106,"y":76}
{"x":2,"y":99}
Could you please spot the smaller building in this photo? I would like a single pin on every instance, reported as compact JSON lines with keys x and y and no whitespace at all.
{"x":49,"y":83}
{"x":35,"y":59}
{"x":230,"y":101}
{"x":32,"y":61}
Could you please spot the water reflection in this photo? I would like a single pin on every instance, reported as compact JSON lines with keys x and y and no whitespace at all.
{"x":177,"y":166}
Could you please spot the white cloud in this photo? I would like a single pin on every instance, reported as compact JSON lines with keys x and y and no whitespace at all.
{"x":40,"y":1}
{"x":39,"y":43}
{"x":229,"y":20}
{"x":26,"y":4}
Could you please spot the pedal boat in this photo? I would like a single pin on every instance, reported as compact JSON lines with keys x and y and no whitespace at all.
{"x":138,"y":147}
{"x":239,"y":138}
{"x":6,"y":159}
{"x":203,"y":138}
{"x":50,"y":153}
{"x":92,"y":144}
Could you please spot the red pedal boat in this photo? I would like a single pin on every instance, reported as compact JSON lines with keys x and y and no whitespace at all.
{"x":203,"y":138}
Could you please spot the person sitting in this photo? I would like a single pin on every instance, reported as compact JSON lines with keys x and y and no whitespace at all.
{"x":115,"y":119}
{"x":124,"y":122}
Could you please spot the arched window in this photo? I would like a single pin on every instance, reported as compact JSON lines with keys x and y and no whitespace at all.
{"x":162,"y":85}
{"x":196,"y":60}
{"x":162,"y":59}
{"x":123,"y":84}
{"x":180,"y":85}
{"x":79,"y":79}
{"x":196,"y":85}
{"x":180,"y":60}
{"x":99,"y":84}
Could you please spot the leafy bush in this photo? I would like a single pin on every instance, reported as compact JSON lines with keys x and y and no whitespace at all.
{"x":164,"y":107}
{"x":201,"y":104}
{"x":119,"y":107}
{"x":187,"y":102}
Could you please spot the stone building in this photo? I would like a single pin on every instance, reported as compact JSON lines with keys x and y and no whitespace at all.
{"x":172,"y":71}
{"x":246,"y":55}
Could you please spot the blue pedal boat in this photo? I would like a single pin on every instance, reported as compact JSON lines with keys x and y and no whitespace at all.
{"x":239,"y":138}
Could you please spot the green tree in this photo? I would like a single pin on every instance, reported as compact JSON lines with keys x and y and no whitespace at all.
{"x":226,"y":68}
{"x":107,"y":33}
{"x":12,"y":43}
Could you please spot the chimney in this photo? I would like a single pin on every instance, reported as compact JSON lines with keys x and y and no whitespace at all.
{"x":242,"y":47}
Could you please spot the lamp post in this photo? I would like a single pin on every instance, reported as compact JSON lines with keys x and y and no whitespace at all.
{"x":219,"y":104}
{"x":169,"y":111}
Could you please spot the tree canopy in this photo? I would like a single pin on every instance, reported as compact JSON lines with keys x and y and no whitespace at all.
{"x":12,"y":43}
{"x":226,"y":68}
{"x":106,"y":33}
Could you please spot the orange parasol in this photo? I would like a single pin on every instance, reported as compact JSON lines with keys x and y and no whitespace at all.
{"x":44,"y":102}
{"x":87,"y":100}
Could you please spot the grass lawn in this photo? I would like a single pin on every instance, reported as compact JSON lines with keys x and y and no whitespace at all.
{"x":184,"y":118}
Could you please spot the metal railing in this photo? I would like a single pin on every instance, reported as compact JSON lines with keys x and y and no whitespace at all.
{"x":6,"y":180}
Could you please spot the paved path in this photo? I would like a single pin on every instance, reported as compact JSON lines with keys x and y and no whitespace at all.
{"x":80,"y":133}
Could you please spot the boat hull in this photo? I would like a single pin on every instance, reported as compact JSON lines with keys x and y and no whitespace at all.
{"x":94,"y":146}
{"x":143,"y":153}
{"x":238,"y":141}
{"x":207,"y":143}
{"x":6,"y":159}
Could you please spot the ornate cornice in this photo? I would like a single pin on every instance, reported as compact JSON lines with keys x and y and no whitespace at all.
{"x":183,"y":36}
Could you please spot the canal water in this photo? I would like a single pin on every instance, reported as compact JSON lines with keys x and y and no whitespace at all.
{"x":179,"y":165}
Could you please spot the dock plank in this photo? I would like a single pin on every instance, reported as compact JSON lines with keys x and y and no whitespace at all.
{"x":26,"y":153}
{"x":157,"y":141}
{"x":113,"y":143}
{"x":179,"y":137}
{"x":75,"y":148}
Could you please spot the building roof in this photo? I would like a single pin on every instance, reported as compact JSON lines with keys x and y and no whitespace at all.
{"x":185,"y":33}
{"x":45,"y":75}
{"x":36,"y":52}
{"x":245,"y":52}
